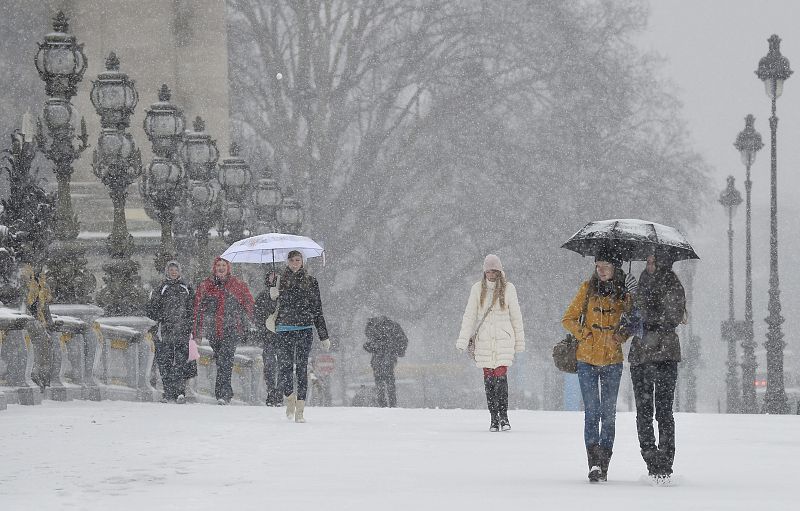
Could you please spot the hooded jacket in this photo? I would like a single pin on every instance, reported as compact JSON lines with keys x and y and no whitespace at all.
{"x":171,"y":306}
{"x":501,"y":335}
{"x":596,"y":343}
{"x":227,"y":301}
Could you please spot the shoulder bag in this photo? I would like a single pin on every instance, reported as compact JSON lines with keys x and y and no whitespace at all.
{"x":565,"y":352}
{"x":474,"y":336}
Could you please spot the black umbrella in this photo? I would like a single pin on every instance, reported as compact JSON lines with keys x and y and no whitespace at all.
{"x":632,"y":239}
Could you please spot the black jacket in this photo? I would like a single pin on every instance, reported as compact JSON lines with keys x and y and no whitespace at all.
{"x":171,"y":306}
{"x":662,"y":304}
{"x":299,"y":303}
{"x":385,"y":341}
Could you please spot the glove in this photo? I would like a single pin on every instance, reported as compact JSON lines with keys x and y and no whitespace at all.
{"x":326,"y":344}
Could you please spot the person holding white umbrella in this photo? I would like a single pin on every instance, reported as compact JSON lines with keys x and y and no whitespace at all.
{"x":298,"y":311}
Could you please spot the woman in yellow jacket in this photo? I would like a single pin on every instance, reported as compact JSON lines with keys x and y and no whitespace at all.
{"x":601,"y":300}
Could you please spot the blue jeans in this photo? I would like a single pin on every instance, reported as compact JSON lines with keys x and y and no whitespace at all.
{"x":599,"y":387}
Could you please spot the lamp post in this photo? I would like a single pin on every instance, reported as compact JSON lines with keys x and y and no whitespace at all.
{"x":234,"y":176}
{"x":200,"y":155}
{"x":290,"y":214}
{"x":730,"y":199}
{"x":164,"y":183}
{"x":61,"y":64}
{"x":748,"y":143}
{"x":117,"y":162}
{"x":267,"y":198}
{"x":773,"y":70}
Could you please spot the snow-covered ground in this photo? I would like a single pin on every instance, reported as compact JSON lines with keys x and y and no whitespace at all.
{"x":145,"y":456}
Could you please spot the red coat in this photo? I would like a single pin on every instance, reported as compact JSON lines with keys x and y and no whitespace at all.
{"x":209,"y":287}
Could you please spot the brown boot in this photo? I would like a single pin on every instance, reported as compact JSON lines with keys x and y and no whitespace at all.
{"x":605,"y":459}
{"x":298,"y":410}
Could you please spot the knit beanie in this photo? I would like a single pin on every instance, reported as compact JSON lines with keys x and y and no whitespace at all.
{"x":492,"y":262}
{"x":607,"y":254}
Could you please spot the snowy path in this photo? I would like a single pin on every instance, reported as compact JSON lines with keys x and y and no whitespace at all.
{"x":136,"y":456}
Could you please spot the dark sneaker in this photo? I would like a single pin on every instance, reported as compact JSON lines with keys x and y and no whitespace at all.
{"x":180,"y":399}
{"x":594,"y":474}
{"x":505,"y":425}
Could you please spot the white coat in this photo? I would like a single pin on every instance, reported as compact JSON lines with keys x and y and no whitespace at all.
{"x":501,"y":334}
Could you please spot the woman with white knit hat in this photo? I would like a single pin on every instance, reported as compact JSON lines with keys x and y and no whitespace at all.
{"x":494,"y":319}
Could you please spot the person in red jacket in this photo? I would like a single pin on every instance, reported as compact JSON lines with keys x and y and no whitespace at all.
{"x":223,"y":310}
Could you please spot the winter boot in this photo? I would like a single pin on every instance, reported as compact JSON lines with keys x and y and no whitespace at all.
{"x":593,"y":457}
{"x":291,"y":401}
{"x":502,"y":402}
{"x":650,"y":457}
{"x":298,"y":410}
{"x":605,"y":459}
{"x":491,"y":401}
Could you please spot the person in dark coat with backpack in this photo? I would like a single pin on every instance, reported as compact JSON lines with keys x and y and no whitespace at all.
{"x":223,"y":309}
{"x":265,"y":306}
{"x":171,"y":307}
{"x":299,"y":310}
{"x":385,"y":341}
{"x":654,"y":358}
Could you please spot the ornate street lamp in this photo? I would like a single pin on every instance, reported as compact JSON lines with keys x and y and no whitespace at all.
{"x":200,"y":155}
{"x":290,"y":214}
{"x":61,"y":63}
{"x":117,"y":163}
{"x":235,"y":177}
{"x":730,"y":199}
{"x":164,"y":183}
{"x":748,"y":143}
{"x":773,"y":70}
{"x":267,"y":198}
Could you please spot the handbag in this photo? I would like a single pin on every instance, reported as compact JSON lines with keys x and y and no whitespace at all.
{"x":474,"y":336}
{"x":271,"y":319}
{"x":194,"y":353}
{"x":565,"y":352}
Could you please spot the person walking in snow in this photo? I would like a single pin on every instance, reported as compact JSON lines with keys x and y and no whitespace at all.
{"x":385,"y":341}
{"x":654,"y":361}
{"x":223,"y":309}
{"x":265,"y":306}
{"x":171,"y":307}
{"x":593,"y":317}
{"x":299,"y":309}
{"x":494,"y":318}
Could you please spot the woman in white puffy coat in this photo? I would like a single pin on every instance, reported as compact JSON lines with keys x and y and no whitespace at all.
{"x":493,"y":309}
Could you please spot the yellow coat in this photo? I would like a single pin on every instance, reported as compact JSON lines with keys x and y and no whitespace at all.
{"x":597,"y":343}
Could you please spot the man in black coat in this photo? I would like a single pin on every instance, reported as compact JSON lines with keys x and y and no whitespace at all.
{"x":385,"y":341}
{"x":171,"y":307}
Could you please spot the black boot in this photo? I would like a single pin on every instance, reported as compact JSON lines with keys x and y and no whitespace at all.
{"x":502,"y":402}
{"x":605,"y":459}
{"x":593,"y":457}
{"x":650,"y":457}
{"x":490,"y":384}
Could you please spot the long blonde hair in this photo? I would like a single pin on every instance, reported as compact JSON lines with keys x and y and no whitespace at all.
{"x":499,"y":290}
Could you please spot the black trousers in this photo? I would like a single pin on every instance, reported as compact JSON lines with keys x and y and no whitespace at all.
{"x":293,"y":350}
{"x":269,"y":355}
{"x":171,"y":360}
{"x":224,"y":351}
{"x":385,"y":386}
{"x":654,"y":391}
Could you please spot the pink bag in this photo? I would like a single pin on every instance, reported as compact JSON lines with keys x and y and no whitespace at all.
{"x":194,"y":353}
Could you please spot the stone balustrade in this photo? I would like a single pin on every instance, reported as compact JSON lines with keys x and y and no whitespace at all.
{"x":100,"y":358}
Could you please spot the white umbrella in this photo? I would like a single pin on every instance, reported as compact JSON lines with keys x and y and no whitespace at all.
{"x":271,"y":248}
